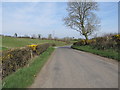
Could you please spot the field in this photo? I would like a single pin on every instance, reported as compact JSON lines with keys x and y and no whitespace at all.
{"x":10,"y":42}
{"x":26,"y":74}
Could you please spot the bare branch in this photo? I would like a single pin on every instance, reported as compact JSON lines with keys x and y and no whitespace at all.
{"x":81,"y":17}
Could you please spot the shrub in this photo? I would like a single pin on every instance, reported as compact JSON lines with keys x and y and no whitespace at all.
{"x":117,"y":38}
{"x":53,"y":44}
{"x":33,"y":47}
{"x":41,"y":48}
{"x":79,"y":43}
{"x":83,"y":42}
{"x":13,"y":59}
{"x":106,"y":42}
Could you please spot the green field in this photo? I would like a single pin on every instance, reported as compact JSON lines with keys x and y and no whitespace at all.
{"x":10,"y":42}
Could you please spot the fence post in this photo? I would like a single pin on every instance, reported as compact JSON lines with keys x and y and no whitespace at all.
{"x":31,"y":54}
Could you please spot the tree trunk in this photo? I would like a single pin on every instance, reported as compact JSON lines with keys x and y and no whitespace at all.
{"x":86,"y":39}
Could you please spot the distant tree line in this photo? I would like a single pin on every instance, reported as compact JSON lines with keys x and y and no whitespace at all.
{"x":39,"y":36}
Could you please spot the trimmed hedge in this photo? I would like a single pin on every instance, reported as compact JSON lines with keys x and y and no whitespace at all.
{"x":41,"y":48}
{"x":14,"y":59}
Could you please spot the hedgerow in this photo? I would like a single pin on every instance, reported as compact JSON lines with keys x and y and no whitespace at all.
{"x":103,"y":43}
{"x":14,"y":59}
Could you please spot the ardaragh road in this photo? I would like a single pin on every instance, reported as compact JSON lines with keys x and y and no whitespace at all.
{"x":68,"y":68}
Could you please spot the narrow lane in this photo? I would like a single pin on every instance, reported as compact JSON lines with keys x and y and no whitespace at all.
{"x":68,"y":68}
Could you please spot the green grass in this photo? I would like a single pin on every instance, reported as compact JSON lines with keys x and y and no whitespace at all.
{"x":3,"y":48}
{"x":105,"y":53}
{"x":24,"y":77}
{"x":10,"y":42}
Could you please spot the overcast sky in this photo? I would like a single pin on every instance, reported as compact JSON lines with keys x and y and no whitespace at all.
{"x":45,"y":18}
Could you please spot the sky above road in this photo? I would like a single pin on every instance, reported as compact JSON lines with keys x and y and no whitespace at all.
{"x":28,"y":18}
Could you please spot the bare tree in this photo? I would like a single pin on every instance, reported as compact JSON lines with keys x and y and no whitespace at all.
{"x":49,"y":36}
{"x":15,"y":34}
{"x":81,"y":17}
{"x":39,"y":36}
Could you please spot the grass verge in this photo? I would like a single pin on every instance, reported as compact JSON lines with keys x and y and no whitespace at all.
{"x":24,"y":77}
{"x":3,"y":48}
{"x":105,"y":53}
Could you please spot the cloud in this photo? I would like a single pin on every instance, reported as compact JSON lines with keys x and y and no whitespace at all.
{"x":46,"y":17}
{"x":35,"y":18}
{"x":29,"y":17}
{"x":55,"y":0}
{"x":33,"y":13}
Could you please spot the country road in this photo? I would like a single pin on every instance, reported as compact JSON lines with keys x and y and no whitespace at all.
{"x":69,"y":68}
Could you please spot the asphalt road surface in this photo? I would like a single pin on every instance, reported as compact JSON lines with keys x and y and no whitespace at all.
{"x":69,"y":68}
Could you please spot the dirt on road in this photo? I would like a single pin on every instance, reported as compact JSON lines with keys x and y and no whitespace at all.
{"x":68,"y":68}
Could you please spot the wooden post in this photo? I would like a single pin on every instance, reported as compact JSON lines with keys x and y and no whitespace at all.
{"x":31,"y":54}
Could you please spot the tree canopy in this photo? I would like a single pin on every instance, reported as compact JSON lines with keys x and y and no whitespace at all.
{"x":81,"y":17}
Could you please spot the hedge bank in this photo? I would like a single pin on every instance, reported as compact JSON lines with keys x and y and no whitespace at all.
{"x":14,"y":59}
{"x":24,"y":77}
{"x":102,"y":43}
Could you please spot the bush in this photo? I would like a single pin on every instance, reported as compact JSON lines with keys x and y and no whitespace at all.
{"x":83,"y":42}
{"x":13,"y":59}
{"x":117,"y":39}
{"x":41,"y":48}
{"x":53,"y":44}
{"x":80,"y":43}
{"x":106,"y":42}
